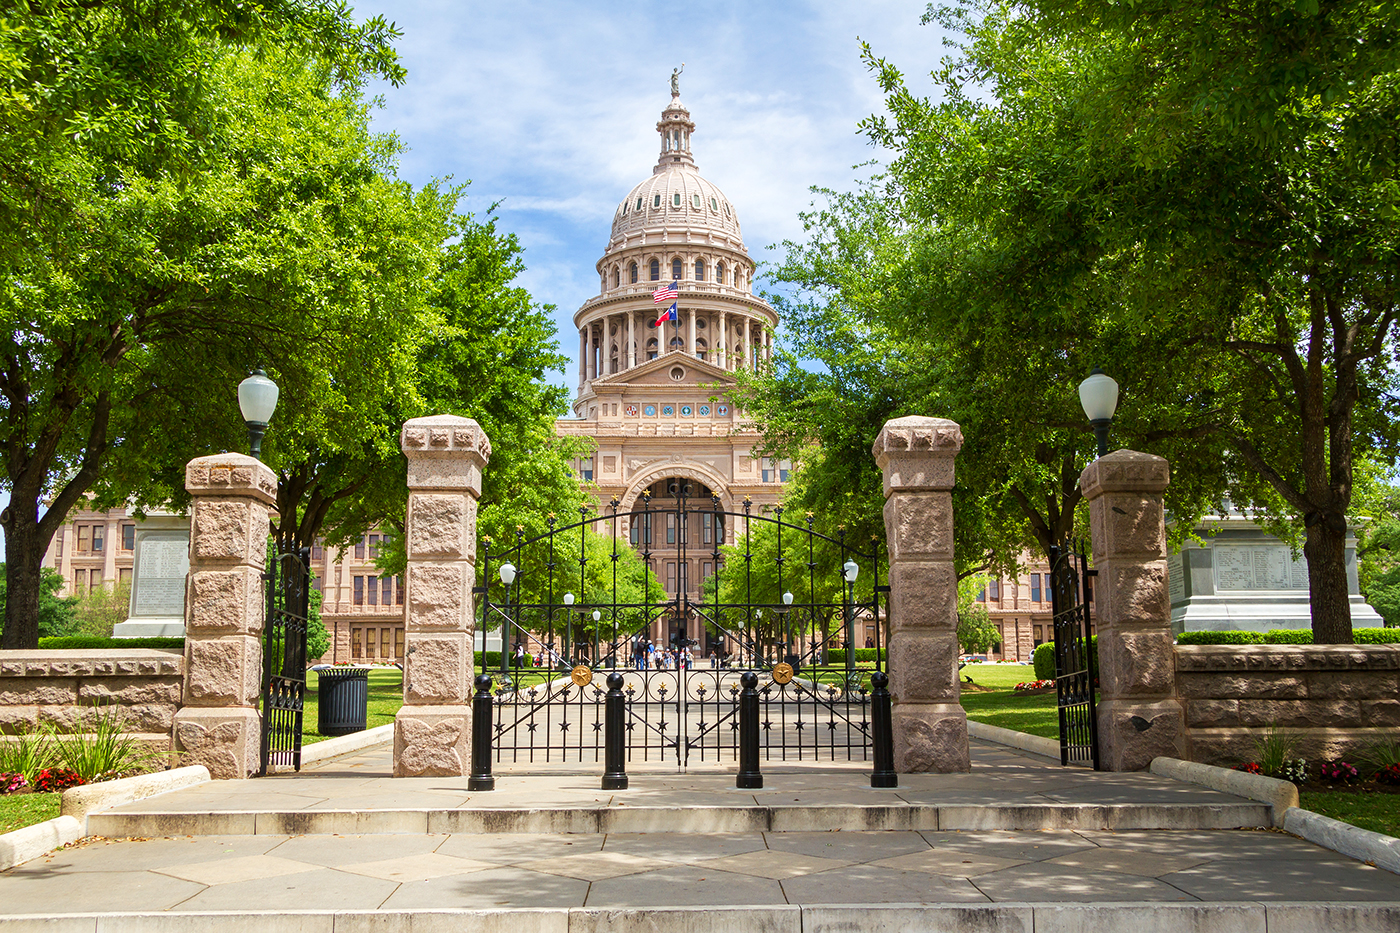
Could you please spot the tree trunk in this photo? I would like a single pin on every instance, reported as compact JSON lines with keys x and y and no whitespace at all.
{"x":1325,"y":550}
{"x":24,"y":557}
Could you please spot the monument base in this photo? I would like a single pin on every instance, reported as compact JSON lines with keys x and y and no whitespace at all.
{"x":139,"y":628}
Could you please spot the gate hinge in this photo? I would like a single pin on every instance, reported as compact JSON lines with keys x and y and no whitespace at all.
{"x":884,"y":588}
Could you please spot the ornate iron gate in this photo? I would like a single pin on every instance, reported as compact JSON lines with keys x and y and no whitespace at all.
{"x":284,"y":659}
{"x":783,"y":601}
{"x":1076,"y":674}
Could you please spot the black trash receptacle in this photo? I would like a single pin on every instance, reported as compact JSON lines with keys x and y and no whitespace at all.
{"x":342,"y":698}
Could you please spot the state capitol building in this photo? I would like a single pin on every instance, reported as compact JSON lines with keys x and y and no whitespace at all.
{"x":656,"y":399}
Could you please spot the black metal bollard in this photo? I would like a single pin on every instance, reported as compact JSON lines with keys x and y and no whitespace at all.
{"x":881,"y":732}
{"x":481,"y":777}
{"x":749,"y":774}
{"x":615,"y":735}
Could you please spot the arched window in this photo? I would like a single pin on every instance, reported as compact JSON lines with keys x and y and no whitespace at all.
{"x":617,"y":276}
{"x":676,"y":199}
{"x":699,"y":270}
{"x":676,"y":268}
{"x":701,"y":347}
{"x":651,"y":348}
{"x":677,"y":343}
{"x":656,"y":200}
{"x":719,"y":273}
{"x":656,"y":269}
{"x":634,"y":273}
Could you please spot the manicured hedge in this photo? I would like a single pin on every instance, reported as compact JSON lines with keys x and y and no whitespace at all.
{"x":1044,"y":658}
{"x":1284,"y":636}
{"x":838,"y":655}
{"x":99,"y":641}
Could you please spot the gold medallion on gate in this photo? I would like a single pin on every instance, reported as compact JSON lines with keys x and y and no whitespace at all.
{"x":782,"y":673}
{"x":582,"y":676}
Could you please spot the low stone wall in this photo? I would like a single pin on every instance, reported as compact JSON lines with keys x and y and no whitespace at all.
{"x":1333,"y":699}
{"x":62,"y":687}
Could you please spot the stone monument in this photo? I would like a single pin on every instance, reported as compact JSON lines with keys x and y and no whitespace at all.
{"x":162,"y":560}
{"x":1244,"y":579}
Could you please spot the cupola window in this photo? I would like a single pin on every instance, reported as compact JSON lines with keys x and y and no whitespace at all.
{"x":634,"y":273}
{"x":639,"y":204}
{"x":714,"y":205}
{"x":695,"y":201}
{"x":676,"y":267}
{"x":699,"y":270}
{"x":656,"y":270}
{"x":676,"y":200}
{"x":656,"y":200}
{"x":726,"y":208}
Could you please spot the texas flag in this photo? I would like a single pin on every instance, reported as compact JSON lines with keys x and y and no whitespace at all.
{"x":668,"y":315}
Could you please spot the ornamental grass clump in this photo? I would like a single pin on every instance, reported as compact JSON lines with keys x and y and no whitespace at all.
{"x":106,"y":752}
{"x":27,"y":754}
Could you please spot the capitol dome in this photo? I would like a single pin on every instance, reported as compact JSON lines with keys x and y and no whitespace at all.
{"x":674,"y":228}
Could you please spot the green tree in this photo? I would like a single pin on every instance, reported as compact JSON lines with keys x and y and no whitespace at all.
{"x":318,"y":640}
{"x":141,"y":262}
{"x":101,"y":609}
{"x":58,"y":615}
{"x":976,"y":633}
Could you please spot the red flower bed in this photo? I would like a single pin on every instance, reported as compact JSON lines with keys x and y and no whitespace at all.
{"x":55,"y":779}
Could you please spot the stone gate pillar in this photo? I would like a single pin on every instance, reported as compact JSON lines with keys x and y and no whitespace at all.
{"x":432,"y":732}
{"x":917,"y":457}
{"x":1139,"y":715}
{"x":218,"y":725}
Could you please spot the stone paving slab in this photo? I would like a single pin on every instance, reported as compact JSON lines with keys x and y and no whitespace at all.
{"x":468,"y":872}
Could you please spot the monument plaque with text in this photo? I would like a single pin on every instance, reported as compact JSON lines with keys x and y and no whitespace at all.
{"x":162,"y":562}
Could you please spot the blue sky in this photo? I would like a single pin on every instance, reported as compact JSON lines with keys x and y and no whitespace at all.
{"x":550,"y":108}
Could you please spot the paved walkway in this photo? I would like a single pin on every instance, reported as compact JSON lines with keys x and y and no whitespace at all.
{"x":408,"y":869}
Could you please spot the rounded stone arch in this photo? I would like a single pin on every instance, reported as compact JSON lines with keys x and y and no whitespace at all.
{"x":718,"y":484}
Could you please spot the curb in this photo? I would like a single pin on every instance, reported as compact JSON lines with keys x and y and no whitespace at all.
{"x":1375,"y":848}
{"x":1038,"y":745}
{"x":1244,"y":917}
{"x":78,"y":802}
{"x":30,"y":842}
{"x":1281,"y":796}
{"x":345,"y":744}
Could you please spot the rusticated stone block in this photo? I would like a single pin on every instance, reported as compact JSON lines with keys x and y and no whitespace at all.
{"x":229,"y":530}
{"x":924,"y":666}
{"x":1125,"y":471}
{"x":1133,"y":594}
{"x":1193,"y":685}
{"x":36,"y":691}
{"x":224,"y":602}
{"x":915,"y":434}
{"x":441,"y":526}
{"x":1289,"y":658}
{"x":129,"y":691}
{"x":440,"y":596}
{"x":1381,"y":712}
{"x":226,"y":741}
{"x":70,"y":667}
{"x":1228,"y":747}
{"x":1333,"y":714}
{"x":445,"y":452}
{"x":1136,"y":663}
{"x":930,"y":737}
{"x":432,"y":741}
{"x":223,"y":671}
{"x":924,"y":596}
{"x":1127,"y":526}
{"x":437,"y":670}
{"x":17,"y":719}
{"x":1132,"y":733}
{"x":1211,"y":714}
{"x":919,"y":526}
{"x":1355,"y":685}
{"x":228,"y":475}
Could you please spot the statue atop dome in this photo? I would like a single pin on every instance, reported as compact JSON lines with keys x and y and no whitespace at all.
{"x":676,"y":80}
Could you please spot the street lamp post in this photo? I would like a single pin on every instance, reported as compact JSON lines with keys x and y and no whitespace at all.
{"x":257,"y":400}
{"x":507,"y":577}
{"x":850,"y":570}
{"x":1099,"y":396}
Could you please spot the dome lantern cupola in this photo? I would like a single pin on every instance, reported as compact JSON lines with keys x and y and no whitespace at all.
{"x":675,"y":128}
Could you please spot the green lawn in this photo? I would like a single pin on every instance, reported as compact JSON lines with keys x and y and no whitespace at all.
{"x":385,"y":698}
{"x":1379,"y":813}
{"x":1002,"y":706}
{"x":20,"y":810}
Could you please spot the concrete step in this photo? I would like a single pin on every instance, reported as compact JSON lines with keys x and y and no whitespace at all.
{"x":134,"y":821}
{"x":1250,"y":917}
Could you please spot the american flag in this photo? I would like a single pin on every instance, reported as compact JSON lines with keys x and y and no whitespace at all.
{"x":666,"y":293}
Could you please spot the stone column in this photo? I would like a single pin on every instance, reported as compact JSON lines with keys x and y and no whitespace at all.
{"x":690,"y":337}
{"x":218,"y":726}
{"x":582,"y":356}
{"x":631,"y":339}
{"x":1139,"y":714}
{"x":721,"y":359}
{"x":916,"y":456}
{"x":432,"y":732}
{"x":592,"y":357}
